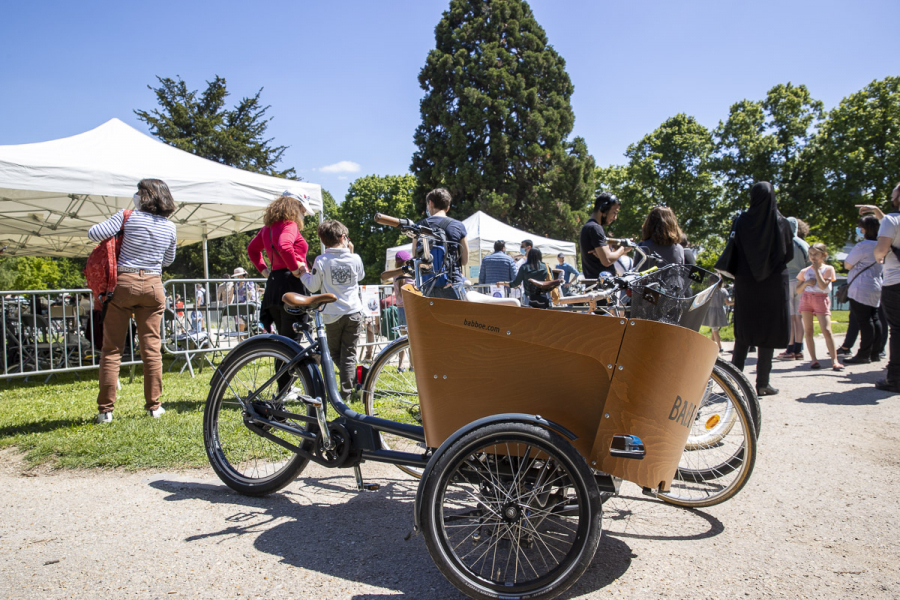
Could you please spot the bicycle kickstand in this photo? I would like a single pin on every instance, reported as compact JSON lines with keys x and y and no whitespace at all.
{"x":364,"y":487}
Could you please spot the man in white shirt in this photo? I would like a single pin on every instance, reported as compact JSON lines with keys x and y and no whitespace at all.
{"x":888,"y":241}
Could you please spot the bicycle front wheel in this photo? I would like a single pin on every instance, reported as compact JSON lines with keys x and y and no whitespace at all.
{"x":245,"y":461}
{"x":390,"y":392}
{"x":710,"y":473}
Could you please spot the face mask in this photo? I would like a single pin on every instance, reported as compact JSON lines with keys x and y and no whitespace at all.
{"x":427,"y":211}
{"x":137,"y":201}
{"x":523,"y":250}
{"x":859,"y":232}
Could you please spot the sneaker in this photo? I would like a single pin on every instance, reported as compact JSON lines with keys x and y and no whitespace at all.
{"x":766,"y":391}
{"x":857,"y":360}
{"x":104,"y":417}
{"x":887,"y":385}
{"x":841,"y":351}
{"x":786,"y":356}
{"x":157,"y":413}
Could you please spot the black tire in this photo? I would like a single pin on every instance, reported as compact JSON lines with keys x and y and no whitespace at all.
{"x":245,"y":461}
{"x":391,"y":394}
{"x":746,"y":389}
{"x":711,"y":475}
{"x":504,"y":491}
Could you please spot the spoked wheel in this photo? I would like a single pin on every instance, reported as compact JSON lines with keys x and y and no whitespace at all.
{"x":712,"y":473}
{"x":511,"y":510}
{"x":743,"y":385}
{"x":247,"y":462}
{"x":390,"y":392}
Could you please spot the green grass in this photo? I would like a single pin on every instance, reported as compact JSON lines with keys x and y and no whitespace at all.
{"x":839,"y":320}
{"x":54,"y":423}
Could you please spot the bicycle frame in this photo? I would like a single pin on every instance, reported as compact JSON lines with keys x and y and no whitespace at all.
{"x":359,"y":429}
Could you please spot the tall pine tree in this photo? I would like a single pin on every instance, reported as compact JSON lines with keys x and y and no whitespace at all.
{"x":496,"y":119}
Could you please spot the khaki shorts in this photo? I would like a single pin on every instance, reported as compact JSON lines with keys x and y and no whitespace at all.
{"x":795,"y":298}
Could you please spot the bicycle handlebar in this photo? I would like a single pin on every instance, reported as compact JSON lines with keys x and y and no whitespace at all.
{"x":392,"y":221}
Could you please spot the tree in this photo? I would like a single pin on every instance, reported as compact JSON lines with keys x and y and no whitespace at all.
{"x":391,"y":195}
{"x":200,"y":124}
{"x":765,"y":141}
{"x":858,"y":151}
{"x":669,"y":167}
{"x":496,"y":117}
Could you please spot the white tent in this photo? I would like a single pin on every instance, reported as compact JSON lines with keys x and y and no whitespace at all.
{"x":52,"y":192}
{"x":481,"y":233}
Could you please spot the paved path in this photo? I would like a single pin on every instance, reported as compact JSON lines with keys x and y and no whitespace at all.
{"x":817,"y":520}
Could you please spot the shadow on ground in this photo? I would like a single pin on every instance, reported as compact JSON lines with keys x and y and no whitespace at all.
{"x":368,"y":537}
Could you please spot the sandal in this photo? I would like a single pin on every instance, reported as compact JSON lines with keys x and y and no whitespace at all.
{"x":815,"y":365}
{"x":837,"y":367}
{"x":786,"y":356}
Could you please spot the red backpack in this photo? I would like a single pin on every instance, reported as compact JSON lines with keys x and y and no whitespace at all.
{"x":100,"y":270}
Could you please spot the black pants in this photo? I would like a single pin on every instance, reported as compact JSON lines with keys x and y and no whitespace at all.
{"x":890,"y":300}
{"x":763,"y":362}
{"x":869,"y":324}
{"x":853,"y":332}
{"x":284,"y":325}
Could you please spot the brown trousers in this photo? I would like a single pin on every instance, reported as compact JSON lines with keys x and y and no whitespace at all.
{"x":139,"y":294}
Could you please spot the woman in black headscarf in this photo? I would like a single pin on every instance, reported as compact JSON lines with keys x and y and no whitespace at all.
{"x":764,"y":245}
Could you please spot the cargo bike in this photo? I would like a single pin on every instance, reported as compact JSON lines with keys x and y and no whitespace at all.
{"x":530,"y":419}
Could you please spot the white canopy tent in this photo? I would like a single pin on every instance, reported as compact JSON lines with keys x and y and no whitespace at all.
{"x":483,"y":230}
{"x":52,"y":192}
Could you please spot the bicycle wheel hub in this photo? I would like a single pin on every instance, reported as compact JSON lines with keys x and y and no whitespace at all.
{"x":511,"y":513}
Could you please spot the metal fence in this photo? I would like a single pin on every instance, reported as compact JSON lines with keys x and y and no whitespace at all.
{"x":53,"y":331}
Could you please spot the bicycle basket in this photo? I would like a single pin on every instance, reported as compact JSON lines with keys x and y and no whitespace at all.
{"x":674,"y":294}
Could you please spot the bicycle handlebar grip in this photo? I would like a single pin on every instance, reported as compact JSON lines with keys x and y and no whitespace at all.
{"x":387,"y":220}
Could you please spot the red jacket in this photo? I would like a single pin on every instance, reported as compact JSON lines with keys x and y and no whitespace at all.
{"x":290,"y":247}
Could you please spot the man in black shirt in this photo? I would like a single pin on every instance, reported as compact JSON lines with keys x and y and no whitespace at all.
{"x":596,"y":254}
{"x":437,"y":203}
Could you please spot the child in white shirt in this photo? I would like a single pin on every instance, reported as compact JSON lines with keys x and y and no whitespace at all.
{"x":338,"y":271}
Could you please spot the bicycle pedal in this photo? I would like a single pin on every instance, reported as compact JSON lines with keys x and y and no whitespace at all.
{"x":371,"y":487}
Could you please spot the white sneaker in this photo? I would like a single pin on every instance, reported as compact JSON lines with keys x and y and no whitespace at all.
{"x":156,"y":413}
{"x":104,"y":417}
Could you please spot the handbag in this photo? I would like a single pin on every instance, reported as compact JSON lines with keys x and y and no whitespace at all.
{"x":727,"y":263}
{"x":843,"y":292}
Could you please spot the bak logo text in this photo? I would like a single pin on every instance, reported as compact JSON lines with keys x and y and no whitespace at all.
{"x":477,"y":325}
{"x":683,"y":412}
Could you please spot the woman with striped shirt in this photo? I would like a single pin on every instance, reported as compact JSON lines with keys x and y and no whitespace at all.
{"x":148,"y":244}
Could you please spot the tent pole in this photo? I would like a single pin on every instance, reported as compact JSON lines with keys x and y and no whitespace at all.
{"x":205,"y":257}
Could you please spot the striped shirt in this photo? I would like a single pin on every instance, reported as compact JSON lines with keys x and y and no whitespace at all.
{"x":149,"y":241}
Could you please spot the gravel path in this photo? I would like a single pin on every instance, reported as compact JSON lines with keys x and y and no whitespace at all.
{"x":818,"y":519}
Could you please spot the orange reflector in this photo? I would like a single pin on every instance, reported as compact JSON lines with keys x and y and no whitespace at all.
{"x":712,"y":421}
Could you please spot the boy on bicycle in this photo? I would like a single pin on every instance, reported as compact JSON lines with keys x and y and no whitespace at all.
{"x":338,"y":271}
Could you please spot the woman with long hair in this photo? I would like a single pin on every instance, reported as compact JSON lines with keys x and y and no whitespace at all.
{"x":661,"y":234}
{"x":533,"y":268}
{"x":148,"y":244}
{"x":764,"y":245}
{"x":286,"y":249}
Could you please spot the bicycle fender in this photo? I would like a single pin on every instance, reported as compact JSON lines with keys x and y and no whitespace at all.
{"x":459,"y":433}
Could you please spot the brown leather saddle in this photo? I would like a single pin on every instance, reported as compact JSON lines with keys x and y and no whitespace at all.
{"x":307,"y":302}
{"x":546,"y":286}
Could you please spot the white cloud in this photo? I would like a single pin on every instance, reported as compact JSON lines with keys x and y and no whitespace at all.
{"x":345,"y":166}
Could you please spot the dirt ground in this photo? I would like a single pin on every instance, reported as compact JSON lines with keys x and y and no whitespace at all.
{"x":818,"y":519}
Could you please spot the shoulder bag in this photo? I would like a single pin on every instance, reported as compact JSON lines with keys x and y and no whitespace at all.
{"x":843,"y":292}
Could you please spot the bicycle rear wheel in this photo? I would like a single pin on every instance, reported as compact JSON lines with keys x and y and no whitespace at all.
{"x":245,"y":461}
{"x":390,"y":392}
{"x":710,"y":473}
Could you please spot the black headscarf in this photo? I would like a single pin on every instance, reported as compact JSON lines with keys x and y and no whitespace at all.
{"x":762,"y":234}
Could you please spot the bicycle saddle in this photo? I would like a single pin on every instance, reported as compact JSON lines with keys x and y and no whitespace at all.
{"x":309,"y":302}
{"x":546,"y":286}
{"x":472,"y":296}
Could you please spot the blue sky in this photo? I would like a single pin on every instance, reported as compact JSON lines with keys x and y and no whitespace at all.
{"x":341,"y":76}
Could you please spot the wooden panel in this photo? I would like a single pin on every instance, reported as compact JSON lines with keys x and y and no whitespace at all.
{"x":475,"y":360}
{"x":654,"y":396}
